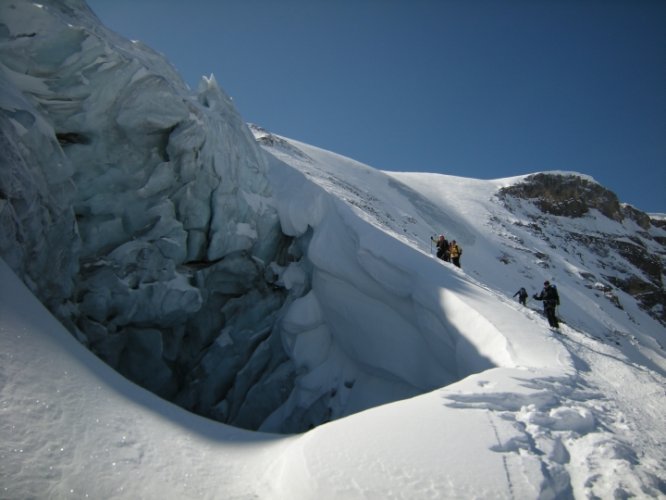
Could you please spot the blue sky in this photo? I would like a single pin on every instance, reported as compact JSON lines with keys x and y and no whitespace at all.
{"x":476,"y":88}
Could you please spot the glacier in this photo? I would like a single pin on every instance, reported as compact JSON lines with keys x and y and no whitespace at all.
{"x":153,"y":225}
{"x":273,"y":286}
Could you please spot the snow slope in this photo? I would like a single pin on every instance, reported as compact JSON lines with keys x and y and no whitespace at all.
{"x":559,"y":416}
{"x":73,"y":428}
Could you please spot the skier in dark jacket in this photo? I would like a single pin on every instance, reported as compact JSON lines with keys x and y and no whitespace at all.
{"x":442,"y":248}
{"x":522,"y":296}
{"x":551,"y":300}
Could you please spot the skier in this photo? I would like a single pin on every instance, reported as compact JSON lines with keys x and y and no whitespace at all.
{"x":455,"y":252}
{"x":442,"y":248}
{"x":551,"y":299}
{"x":522,"y":296}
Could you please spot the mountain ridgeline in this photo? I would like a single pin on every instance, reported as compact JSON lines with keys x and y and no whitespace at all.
{"x":145,"y":217}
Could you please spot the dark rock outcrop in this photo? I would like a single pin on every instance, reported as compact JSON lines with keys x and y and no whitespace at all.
{"x":566,"y":195}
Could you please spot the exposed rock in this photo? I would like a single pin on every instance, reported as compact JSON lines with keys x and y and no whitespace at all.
{"x":640,"y":218}
{"x":566,"y":195}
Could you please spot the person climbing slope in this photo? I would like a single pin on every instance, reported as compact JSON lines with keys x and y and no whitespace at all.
{"x":551,"y":299}
{"x":522,"y":295}
{"x":442,"y":247}
{"x":455,"y":252}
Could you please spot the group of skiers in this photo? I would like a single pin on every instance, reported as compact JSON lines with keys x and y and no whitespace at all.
{"x":550,"y":298}
{"x":448,"y":252}
{"x":451,"y":252}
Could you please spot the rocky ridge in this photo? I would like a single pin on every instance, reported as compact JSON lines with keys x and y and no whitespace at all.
{"x":633,"y":260}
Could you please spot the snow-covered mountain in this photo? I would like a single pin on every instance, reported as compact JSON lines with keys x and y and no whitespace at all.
{"x":274,"y":286}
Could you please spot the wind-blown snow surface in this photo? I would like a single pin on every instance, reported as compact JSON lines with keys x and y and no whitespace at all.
{"x":508,"y":408}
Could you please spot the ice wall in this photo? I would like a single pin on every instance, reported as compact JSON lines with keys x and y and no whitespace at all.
{"x":38,"y":231}
{"x":138,"y":210}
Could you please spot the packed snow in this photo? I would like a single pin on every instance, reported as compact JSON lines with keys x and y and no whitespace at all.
{"x":436,"y":381}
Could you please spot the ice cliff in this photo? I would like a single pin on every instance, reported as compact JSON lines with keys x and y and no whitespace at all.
{"x":138,"y":211}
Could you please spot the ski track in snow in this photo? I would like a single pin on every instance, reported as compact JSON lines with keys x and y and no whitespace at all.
{"x":631,"y":419}
{"x":584,"y":429}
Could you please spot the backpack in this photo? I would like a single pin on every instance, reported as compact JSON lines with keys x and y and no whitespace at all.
{"x":551,"y":295}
